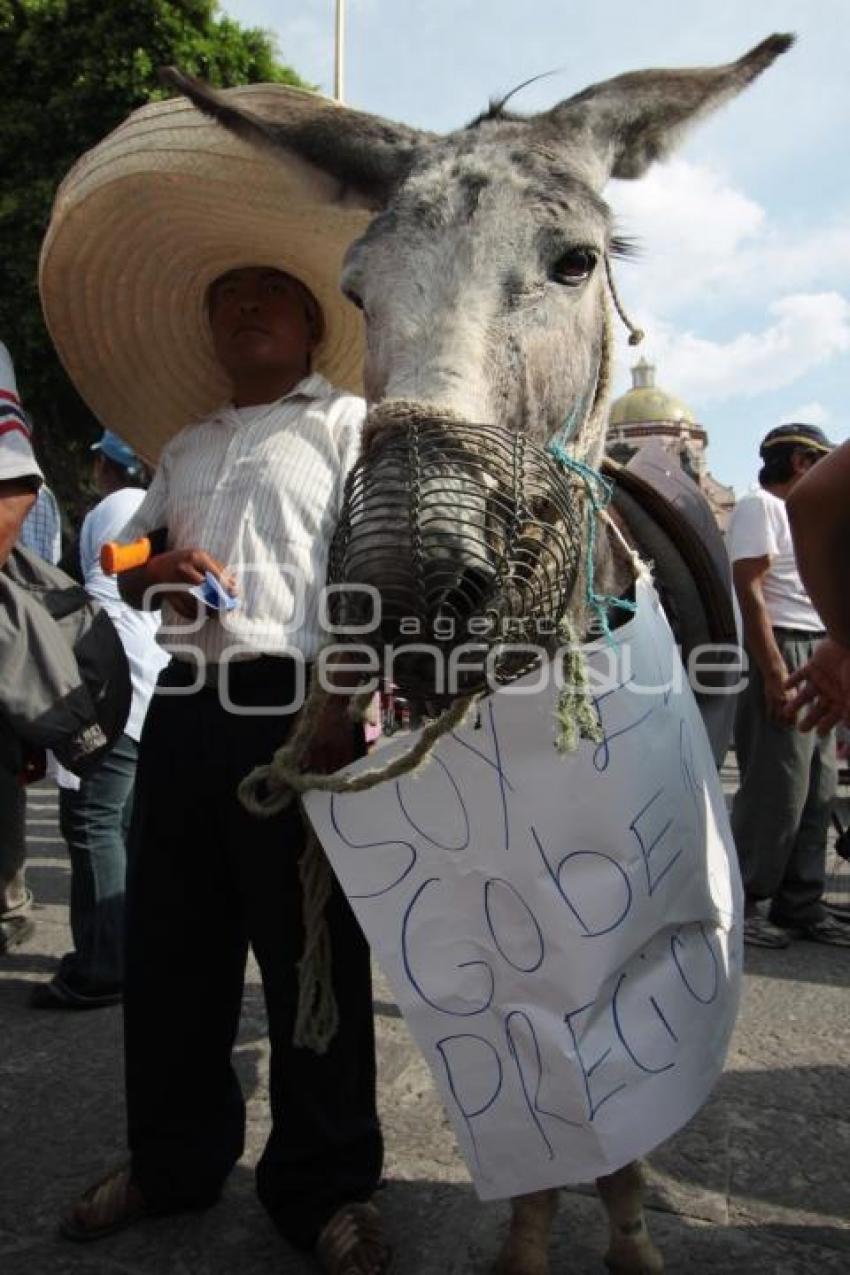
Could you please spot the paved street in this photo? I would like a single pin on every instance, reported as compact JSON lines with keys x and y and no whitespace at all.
{"x":758,"y":1183}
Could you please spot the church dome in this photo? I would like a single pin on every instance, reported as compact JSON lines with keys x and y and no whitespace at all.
{"x":646,"y":402}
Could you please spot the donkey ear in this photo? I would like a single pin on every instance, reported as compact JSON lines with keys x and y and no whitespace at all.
{"x":640,"y":117}
{"x":368,"y":155}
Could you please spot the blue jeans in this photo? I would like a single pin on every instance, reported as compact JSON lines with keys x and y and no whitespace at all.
{"x":94,"y":821}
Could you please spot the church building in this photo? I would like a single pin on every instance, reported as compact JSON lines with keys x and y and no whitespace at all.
{"x":647,"y":412}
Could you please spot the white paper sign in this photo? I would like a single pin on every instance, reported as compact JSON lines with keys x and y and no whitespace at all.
{"x":561,"y":933}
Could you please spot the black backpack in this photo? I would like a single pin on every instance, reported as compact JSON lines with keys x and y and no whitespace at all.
{"x":64,"y":677}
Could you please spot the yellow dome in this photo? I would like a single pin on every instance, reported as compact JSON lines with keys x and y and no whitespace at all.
{"x":649,"y":403}
{"x":645,"y":402}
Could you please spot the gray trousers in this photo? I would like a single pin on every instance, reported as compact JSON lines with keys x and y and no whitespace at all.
{"x":781,"y":812}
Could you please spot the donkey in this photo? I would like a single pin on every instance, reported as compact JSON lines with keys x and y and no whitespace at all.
{"x":483,"y":281}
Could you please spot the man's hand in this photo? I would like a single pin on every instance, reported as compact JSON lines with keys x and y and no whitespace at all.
{"x":777,"y":696}
{"x":749,"y":575}
{"x":335,"y":742}
{"x":822,"y":688}
{"x":182,"y":567}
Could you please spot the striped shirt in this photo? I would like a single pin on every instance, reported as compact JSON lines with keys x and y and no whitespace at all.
{"x":16,"y":457}
{"x":260,"y":489}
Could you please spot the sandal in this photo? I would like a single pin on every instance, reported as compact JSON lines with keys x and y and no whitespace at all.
{"x":108,"y":1206}
{"x":16,"y":925}
{"x":759,"y":932}
{"x":14,"y":931}
{"x":353,"y":1242}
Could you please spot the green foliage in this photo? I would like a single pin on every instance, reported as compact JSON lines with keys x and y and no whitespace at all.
{"x":73,"y":70}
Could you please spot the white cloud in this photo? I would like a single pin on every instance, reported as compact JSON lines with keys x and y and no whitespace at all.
{"x":807,"y":330}
{"x":690,"y":226}
{"x":811,"y":413}
{"x":822,"y":255}
{"x":704,"y":241}
{"x":689,"y":223}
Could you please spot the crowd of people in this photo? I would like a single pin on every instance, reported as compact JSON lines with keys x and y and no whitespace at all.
{"x":94,"y":812}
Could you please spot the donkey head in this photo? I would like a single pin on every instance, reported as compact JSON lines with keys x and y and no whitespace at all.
{"x":482,"y":280}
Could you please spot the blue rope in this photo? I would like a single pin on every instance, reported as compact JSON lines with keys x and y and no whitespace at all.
{"x":575,"y":417}
{"x":599,"y":492}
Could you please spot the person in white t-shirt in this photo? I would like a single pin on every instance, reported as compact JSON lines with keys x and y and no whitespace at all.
{"x":780,"y":814}
{"x":94,"y":814}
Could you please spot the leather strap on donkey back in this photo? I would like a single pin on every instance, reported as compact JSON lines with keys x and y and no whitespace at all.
{"x":669,"y":517}
{"x":671,"y":524}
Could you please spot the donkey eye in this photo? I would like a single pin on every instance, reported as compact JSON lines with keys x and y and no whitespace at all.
{"x":354,"y":297}
{"x":574,"y":267}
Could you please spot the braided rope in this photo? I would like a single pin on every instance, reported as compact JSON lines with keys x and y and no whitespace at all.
{"x":636,"y":334}
{"x":597,"y":489}
{"x":269,"y":789}
{"x":398,"y":411}
{"x":317,"y":1014}
{"x":576,"y":712}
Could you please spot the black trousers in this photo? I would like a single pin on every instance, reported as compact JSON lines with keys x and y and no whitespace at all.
{"x":205,"y":880}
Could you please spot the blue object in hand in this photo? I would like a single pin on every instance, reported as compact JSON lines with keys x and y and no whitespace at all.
{"x":213,"y":595}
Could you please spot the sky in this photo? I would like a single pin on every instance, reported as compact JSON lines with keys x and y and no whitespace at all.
{"x":743,"y":279}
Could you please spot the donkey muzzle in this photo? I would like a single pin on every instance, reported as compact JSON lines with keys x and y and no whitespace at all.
{"x":456,"y":554}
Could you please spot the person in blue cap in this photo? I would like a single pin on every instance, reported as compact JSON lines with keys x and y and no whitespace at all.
{"x":94,"y":813}
{"x":122,"y":456}
{"x":781,"y":812}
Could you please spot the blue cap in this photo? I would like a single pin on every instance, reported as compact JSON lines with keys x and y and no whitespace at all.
{"x":810,"y":437}
{"x":115,"y":449}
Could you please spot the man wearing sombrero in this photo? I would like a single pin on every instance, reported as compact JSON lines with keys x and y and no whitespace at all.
{"x":190,"y":289}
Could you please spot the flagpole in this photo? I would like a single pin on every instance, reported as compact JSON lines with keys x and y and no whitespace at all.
{"x":339,"y":47}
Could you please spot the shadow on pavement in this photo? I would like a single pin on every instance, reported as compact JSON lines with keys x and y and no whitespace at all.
{"x":801,"y":962}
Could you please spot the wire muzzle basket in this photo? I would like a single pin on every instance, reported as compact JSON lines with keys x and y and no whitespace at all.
{"x":456,"y":555}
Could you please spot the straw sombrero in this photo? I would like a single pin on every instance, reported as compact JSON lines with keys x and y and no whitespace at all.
{"x":141,"y":226}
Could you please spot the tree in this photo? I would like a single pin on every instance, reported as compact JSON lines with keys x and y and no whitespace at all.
{"x":73,"y":70}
